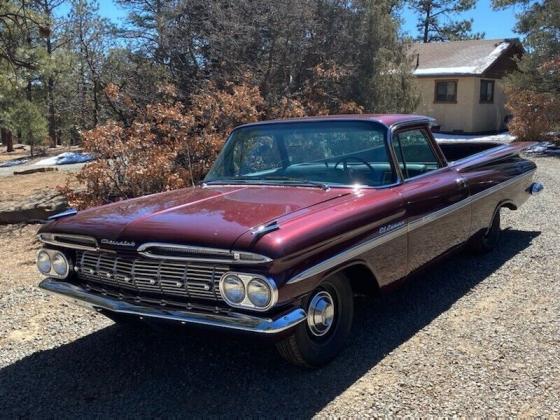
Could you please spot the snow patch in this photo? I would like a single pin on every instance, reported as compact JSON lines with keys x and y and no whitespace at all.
{"x":494,"y":138}
{"x":444,"y":71}
{"x":544,"y":148}
{"x":493,"y":56}
{"x":13,"y":162}
{"x":65,"y":159}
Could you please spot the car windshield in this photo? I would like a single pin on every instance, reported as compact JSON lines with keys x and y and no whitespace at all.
{"x":320,"y":154}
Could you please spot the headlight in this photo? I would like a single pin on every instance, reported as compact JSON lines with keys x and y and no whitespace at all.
{"x":259,"y":293}
{"x":44,"y":262}
{"x":53,"y":263}
{"x":248,"y":291}
{"x":60,"y":264}
{"x":233,"y":289}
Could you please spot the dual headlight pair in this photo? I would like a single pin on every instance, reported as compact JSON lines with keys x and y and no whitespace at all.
{"x":53,"y":263}
{"x":248,"y":291}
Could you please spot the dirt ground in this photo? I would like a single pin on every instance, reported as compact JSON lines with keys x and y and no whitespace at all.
{"x":16,"y":187}
{"x":22,"y":185}
{"x":474,"y":336}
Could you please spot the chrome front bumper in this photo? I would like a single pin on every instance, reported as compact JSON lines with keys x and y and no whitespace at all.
{"x":233,"y":321}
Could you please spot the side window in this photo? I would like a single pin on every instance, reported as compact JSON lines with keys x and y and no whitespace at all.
{"x":256,"y":154}
{"x":414,"y":153}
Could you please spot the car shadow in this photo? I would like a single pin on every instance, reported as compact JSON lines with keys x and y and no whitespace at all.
{"x":119,"y":371}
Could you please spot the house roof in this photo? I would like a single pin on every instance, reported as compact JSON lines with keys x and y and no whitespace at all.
{"x":454,"y":58}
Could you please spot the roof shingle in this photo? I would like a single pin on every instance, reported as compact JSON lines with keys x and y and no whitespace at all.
{"x":471,"y":57}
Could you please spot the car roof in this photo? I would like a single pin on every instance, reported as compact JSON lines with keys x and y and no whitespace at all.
{"x":388,"y":120}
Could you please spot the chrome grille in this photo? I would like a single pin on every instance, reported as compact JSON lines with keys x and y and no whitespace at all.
{"x":156,"y":277}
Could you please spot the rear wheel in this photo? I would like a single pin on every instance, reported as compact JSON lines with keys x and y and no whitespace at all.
{"x":330,"y":309}
{"x":486,"y":241}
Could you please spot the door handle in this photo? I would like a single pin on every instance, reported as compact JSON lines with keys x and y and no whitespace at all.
{"x":461,"y":182}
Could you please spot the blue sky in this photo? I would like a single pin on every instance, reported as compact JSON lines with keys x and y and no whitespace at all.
{"x":496,"y":24}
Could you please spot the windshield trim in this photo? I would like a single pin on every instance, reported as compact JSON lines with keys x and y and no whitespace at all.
{"x":212,"y":184}
{"x":387,"y":142}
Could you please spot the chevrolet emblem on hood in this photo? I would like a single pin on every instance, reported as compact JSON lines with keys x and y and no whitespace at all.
{"x":118,"y":243}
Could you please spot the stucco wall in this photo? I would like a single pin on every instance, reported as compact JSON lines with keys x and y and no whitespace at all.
{"x":490,"y":117}
{"x":468,"y":114}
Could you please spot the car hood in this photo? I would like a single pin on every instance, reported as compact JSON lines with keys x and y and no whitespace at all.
{"x":203,"y":216}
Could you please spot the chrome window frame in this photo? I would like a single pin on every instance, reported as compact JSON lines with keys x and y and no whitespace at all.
{"x":421,"y":124}
{"x":387,"y":142}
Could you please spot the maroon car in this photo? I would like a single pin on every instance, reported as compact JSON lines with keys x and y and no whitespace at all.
{"x":294,"y":218}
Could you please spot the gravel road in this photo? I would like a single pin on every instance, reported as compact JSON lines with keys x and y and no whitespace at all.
{"x":473,"y":336}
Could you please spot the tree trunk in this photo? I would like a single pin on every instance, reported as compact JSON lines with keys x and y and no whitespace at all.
{"x":427,"y":27}
{"x":50,"y":101}
{"x":52,"y":117}
{"x":95,"y":102}
{"x":82,"y":93}
{"x":7,"y":139}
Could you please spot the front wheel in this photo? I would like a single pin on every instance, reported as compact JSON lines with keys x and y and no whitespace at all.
{"x":330,"y":309}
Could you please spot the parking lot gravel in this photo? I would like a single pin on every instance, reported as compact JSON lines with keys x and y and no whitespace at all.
{"x":474,"y":335}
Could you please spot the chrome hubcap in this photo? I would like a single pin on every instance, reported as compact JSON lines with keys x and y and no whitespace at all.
{"x":320,"y":314}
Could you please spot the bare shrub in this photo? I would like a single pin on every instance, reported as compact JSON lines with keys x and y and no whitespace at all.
{"x":534,"y":115}
{"x":164,"y":147}
{"x":535,"y":108}
{"x":168,"y":145}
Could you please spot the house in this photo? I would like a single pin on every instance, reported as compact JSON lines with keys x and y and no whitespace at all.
{"x":460,"y":82}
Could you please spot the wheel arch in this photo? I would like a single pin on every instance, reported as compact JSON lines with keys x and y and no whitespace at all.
{"x":508,"y":204}
{"x":361,"y":276}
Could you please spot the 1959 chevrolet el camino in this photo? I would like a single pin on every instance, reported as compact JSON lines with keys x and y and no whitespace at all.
{"x":294,"y":218}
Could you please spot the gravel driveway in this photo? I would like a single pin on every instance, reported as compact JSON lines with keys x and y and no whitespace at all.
{"x":473,"y":336}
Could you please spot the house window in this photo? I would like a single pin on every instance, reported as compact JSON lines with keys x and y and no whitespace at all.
{"x":446,"y":91}
{"x":486,"y":91}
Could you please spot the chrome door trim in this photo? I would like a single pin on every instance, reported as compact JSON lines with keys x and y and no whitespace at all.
{"x":370,"y":244}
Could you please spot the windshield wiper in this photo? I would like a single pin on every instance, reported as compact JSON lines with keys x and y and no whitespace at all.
{"x":266,"y":181}
{"x":297,"y":181}
{"x":225,"y":181}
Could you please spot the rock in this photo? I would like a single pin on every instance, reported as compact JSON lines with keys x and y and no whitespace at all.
{"x":34,"y":170}
{"x":33,"y":208}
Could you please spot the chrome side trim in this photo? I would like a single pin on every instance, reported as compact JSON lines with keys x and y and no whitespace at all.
{"x":58,"y":240}
{"x":65,"y":213}
{"x":216,"y":255}
{"x":348,"y":254}
{"x":231,"y":321}
{"x":370,"y":244}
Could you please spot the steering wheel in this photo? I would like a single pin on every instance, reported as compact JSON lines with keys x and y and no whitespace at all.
{"x":345,"y":160}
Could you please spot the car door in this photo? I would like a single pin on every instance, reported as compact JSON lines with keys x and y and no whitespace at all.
{"x":438,"y":214}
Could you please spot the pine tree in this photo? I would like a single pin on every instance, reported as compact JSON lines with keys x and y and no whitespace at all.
{"x":534,"y":90}
{"x":436,"y":20}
